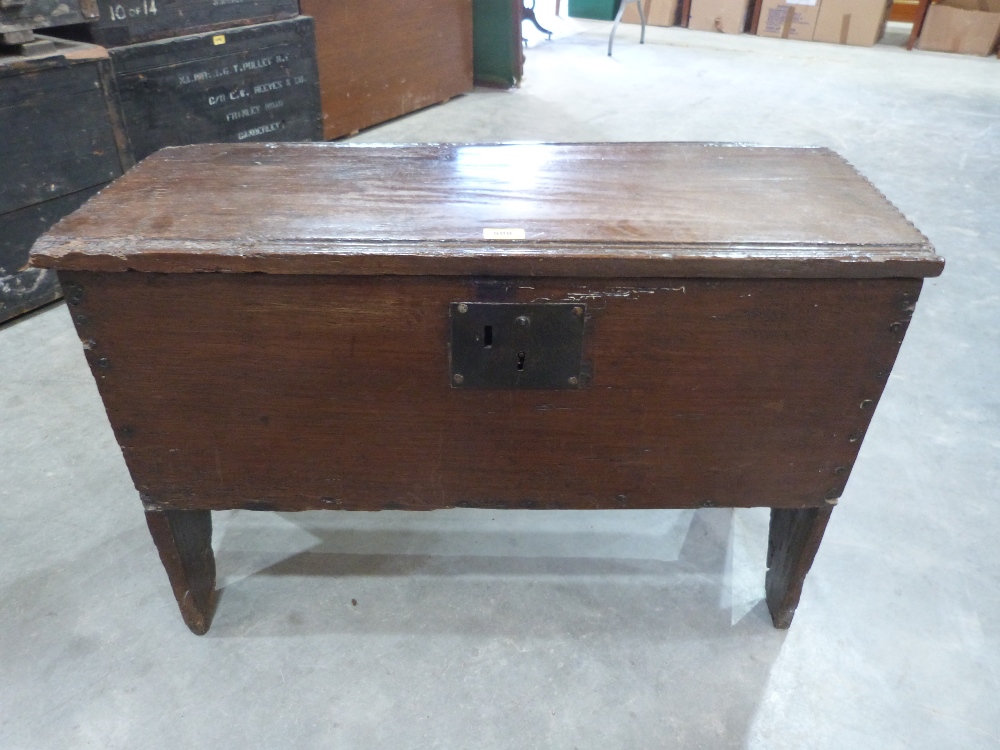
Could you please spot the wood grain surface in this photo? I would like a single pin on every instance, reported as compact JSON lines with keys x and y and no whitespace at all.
{"x":381,"y":60}
{"x":617,"y":209}
{"x":283,"y":392}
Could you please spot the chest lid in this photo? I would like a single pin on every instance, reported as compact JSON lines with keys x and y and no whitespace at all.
{"x":600,"y":209}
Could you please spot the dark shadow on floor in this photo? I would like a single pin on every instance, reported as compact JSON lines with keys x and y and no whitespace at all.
{"x":480,"y":580}
{"x":654,"y":631}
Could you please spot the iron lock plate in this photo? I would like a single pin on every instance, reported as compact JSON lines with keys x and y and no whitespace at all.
{"x":511,"y":345}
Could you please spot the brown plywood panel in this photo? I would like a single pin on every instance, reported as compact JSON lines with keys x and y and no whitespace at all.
{"x":381,"y":60}
{"x":614,"y":209}
{"x":306,"y":392}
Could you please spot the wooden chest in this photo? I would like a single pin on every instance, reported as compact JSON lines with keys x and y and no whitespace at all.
{"x":501,"y":326}
{"x":130,"y":21}
{"x":52,"y":162}
{"x":250,"y":83}
{"x":382,"y":60}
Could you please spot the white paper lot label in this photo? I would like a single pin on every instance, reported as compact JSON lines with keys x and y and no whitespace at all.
{"x":503,"y":234}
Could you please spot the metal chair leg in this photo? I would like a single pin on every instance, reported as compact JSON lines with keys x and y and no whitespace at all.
{"x":618,"y":19}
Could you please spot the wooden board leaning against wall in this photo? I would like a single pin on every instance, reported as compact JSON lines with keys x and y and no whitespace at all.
{"x":378,"y":61}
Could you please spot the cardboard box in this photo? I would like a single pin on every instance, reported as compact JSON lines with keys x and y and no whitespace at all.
{"x":658,"y":12}
{"x":726,"y":16}
{"x":856,"y":22}
{"x":788,"y":20}
{"x":971,"y":27}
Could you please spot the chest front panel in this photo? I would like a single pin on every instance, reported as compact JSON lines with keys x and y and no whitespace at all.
{"x":297,"y":392}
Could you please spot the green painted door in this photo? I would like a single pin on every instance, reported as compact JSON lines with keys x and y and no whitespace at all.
{"x":496,"y":42}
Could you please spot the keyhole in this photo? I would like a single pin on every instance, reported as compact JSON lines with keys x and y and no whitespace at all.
{"x":488,"y":337}
{"x":520,"y":361}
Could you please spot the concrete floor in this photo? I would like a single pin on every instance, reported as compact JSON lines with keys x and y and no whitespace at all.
{"x":479,"y":629}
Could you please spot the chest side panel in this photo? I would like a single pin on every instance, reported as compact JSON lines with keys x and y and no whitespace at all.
{"x":308,"y":392}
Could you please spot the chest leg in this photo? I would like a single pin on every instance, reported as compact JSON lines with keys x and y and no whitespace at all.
{"x":184,"y":540}
{"x":793,"y":540}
